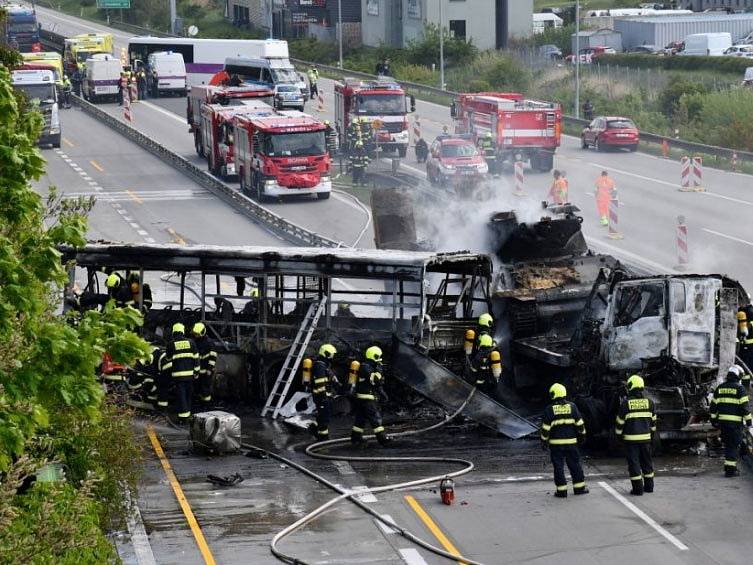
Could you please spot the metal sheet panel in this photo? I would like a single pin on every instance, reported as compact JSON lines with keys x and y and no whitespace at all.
{"x":444,"y":387}
{"x":662,"y":30}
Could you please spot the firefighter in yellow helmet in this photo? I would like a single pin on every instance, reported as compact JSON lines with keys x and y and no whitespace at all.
{"x":368,"y":390}
{"x":207,"y":363}
{"x":323,"y":380}
{"x":117,"y":290}
{"x":483,"y":376}
{"x":561,"y":430}
{"x":181,"y":363}
{"x":745,"y":346}
{"x":730,"y":412}
{"x":636,"y":423}
{"x":359,"y":160}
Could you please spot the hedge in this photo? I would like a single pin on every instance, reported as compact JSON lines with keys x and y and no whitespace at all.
{"x":676,"y":63}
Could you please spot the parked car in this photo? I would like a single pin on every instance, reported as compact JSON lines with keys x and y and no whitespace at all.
{"x":456,"y":160}
{"x":288,"y":96}
{"x":645,"y":50}
{"x":739,"y":51}
{"x":550,"y":51}
{"x":588,"y":54}
{"x":707,"y":44}
{"x":610,"y":131}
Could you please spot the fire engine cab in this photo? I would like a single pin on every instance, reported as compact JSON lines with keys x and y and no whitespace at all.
{"x":225,"y":96}
{"x":380,"y":101}
{"x":522,"y":129}
{"x":282,"y":154}
{"x":218,"y":131}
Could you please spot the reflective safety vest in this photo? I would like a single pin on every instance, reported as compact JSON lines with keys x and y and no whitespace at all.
{"x":730,"y":404}
{"x":636,"y":419}
{"x":322,"y":377}
{"x":369,"y":381}
{"x":181,"y":358}
{"x":359,"y":160}
{"x":562,"y":424}
{"x":207,"y":357}
{"x":604,"y":186}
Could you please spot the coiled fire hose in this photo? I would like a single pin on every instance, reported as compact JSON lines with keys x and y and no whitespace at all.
{"x":314,"y":449}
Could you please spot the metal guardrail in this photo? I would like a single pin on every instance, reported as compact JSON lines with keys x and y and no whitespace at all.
{"x":259,"y":214}
{"x":689,"y":146}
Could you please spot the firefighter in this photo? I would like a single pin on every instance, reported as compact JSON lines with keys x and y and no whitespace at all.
{"x":330,"y":136}
{"x":359,"y":160}
{"x":729,"y":413}
{"x":137,"y":290}
{"x":122,"y":88}
{"x":488,"y":149}
{"x":745,"y":346}
{"x":422,"y":150}
{"x":558,"y":190}
{"x":604,"y":191}
{"x":144,"y":376}
{"x":182,"y":364}
{"x":141,"y":79}
{"x":561,"y":430}
{"x":117,"y":291}
{"x":481,"y":365}
{"x":322,"y":380}
{"x":163,"y":382}
{"x":207,"y":363}
{"x":77,"y":80}
{"x":313,"y":75}
{"x":66,"y":92}
{"x":588,"y":110}
{"x":369,"y":385}
{"x":354,"y":133}
{"x":635,"y":424}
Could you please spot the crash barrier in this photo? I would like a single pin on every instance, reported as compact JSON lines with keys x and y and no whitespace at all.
{"x":647,"y":137}
{"x":683,"y":256}
{"x":519,"y":179}
{"x":614,"y":227}
{"x":261,"y":215}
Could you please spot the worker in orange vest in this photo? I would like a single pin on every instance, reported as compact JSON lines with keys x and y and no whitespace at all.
{"x":558,"y":190}
{"x":604,"y":190}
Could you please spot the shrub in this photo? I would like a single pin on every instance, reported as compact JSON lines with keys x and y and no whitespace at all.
{"x":669,"y":98}
{"x":726,"y":118}
{"x":425,"y":51}
{"x":735,"y":65}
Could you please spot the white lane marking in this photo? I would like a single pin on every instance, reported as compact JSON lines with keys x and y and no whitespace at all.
{"x":344,"y":468}
{"x":150,"y":240}
{"x":384,"y":527}
{"x":127,"y":218}
{"x":163,"y":111}
{"x":142,"y":233}
{"x":140,"y":540}
{"x":366,"y":497}
{"x":134,"y":225}
{"x":92,"y":183}
{"x":62,"y":155}
{"x":643,"y":516}
{"x":86,"y":177}
{"x":731,"y":199}
{"x":411,"y":556}
{"x":730,"y":237}
{"x":68,"y":160}
{"x":77,"y":168}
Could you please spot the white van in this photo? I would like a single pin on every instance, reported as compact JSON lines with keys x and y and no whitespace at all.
{"x":102,"y":78}
{"x":707,"y":44}
{"x":166,"y":72}
{"x":39,"y":87}
{"x":269,"y":72}
{"x":748,"y":77}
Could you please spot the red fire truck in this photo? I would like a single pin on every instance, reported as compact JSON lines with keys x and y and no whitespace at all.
{"x":218,"y":130}
{"x":284,"y":154}
{"x":381,"y":101}
{"x":522,"y":129}
{"x":224,"y":95}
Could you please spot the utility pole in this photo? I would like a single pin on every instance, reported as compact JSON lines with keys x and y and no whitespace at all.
{"x":340,"y":30}
{"x":441,"y":45}
{"x":577,"y":58}
{"x":173,"y":17}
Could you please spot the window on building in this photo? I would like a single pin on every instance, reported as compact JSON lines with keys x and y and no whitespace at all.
{"x":457,"y":28}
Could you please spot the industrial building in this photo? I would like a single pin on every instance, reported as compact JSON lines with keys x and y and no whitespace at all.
{"x":701,"y":5}
{"x":488,"y":23}
{"x":663,"y":30}
{"x":598,"y":38}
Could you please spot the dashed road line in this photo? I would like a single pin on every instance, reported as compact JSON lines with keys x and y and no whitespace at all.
{"x":730,"y":237}
{"x":411,"y":556}
{"x":384,"y":527}
{"x":643,"y":516}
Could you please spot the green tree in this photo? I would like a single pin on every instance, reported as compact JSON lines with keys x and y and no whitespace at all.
{"x":669,"y":98}
{"x":425,"y":51}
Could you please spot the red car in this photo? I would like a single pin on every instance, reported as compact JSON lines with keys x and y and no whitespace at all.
{"x":610,"y":131}
{"x":455,"y":159}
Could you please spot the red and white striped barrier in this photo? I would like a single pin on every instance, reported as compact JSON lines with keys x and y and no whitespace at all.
{"x":683,"y":256}
{"x":520,"y":179}
{"x":685,"y":174}
{"x":698,"y":174}
{"x":416,"y":128}
{"x":320,"y":98}
{"x":614,"y":225}
{"x":133,"y":92}
{"x":127,"y":106}
{"x":734,"y":161}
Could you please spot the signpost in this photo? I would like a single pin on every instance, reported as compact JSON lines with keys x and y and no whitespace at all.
{"x":113,"y":4}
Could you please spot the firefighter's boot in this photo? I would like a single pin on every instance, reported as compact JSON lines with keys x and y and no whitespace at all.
{"x":637,"y":487}
{"x":560,"y":494}
{"x":581,"y":490}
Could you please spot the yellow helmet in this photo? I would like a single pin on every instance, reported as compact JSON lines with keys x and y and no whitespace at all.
{"x":179,"y":328}
{"x":359,"y":143}
{"x":112,"y":281}
{"x":742,"y":316}
{"x":557,"y":391}
{"x":485,"y":320}
{"x":327,"y":351}
{"x":255,"y":292}
{"x":374,"y":353}
{"x":486,"y":341}
{"x":199,"y":329}
{"x":635,"y":382}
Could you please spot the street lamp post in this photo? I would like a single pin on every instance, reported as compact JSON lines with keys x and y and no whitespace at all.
{"x":173,"y":17}
{"x":441,"y":45}
{"x":577,"y":58}
{"x":340,"y":30}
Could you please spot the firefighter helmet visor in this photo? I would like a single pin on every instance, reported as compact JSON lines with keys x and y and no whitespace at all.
{"x":199,"y":329}
{"x":635,"y":382}
{"x":179,"y":328}
{"x":557,"y":390}
{"x":374,"y":353}
{"x":485,"y":320}
{"x":112,"y":281}
{"x":327,"y":351}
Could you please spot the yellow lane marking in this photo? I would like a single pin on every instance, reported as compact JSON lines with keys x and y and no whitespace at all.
{"x":176,"y":238}
{"x":187,"y":512}
{"x":433,"y":528}
{"x":97,"y":166}
{"x":68,"y":142}
{"x":133,"y":196}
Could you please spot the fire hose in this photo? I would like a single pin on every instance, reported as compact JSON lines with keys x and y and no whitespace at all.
{"x":313,"y":451}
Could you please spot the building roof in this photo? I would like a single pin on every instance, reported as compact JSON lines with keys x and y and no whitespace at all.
{"x":688,"y":18}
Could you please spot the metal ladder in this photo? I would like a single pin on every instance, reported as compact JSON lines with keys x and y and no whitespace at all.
{"x":293,"y":360}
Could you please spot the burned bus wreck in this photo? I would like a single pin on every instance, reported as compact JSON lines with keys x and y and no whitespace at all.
{"x":267,"y":309}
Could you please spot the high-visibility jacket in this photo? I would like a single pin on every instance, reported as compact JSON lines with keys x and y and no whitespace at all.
{"x":359,"y":160}
{"x":604,"y":187}
{"x":369,"y":382}
{"x":636,"y":419}
{"x":558,"y":191}
{"x":207,"y":356}
{"x":181,"y":358}
{"x":322,"y":377}
{"x":562,"y":424}
{"x":730,"y":404}
{"x":487,"y":147}
{"x":313,"y":76}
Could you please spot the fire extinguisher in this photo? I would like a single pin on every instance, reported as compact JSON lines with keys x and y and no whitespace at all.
{"x":447,"y":491}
